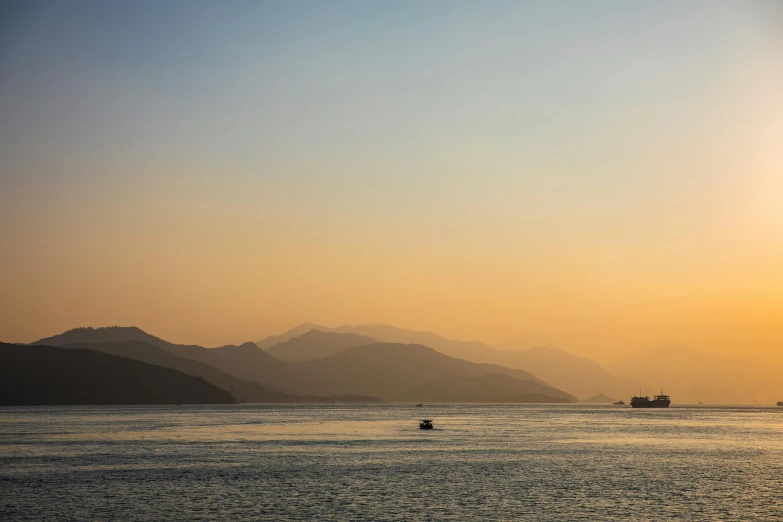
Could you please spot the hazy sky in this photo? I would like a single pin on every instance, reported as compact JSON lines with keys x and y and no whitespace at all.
{"x":601,"y":176}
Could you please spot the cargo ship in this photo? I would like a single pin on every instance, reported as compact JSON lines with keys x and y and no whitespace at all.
{"x":660,"y":401}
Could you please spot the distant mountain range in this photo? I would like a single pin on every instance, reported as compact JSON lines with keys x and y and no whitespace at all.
{"x":388,"y":370}
{"x":43,"y":375}
{"x":385,"y":370}
{"x":316,"y":344}
{"x":235,"y":369}
{"x":576,"y":375}
{"x":474,"y":351}
{"x":314,"y":363}
{"x":244,"y":391}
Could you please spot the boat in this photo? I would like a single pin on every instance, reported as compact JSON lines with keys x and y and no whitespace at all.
{"x":659,"y":401}
{"x":425,"y":425}
{"x":780,"y":403}
{"x":419,"y":405}
{"x":620,"y":403}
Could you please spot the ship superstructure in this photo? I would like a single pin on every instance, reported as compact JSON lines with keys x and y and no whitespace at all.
{"x":659,"y":401}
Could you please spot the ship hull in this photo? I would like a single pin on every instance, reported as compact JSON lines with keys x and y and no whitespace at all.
{"x":650,"y":404}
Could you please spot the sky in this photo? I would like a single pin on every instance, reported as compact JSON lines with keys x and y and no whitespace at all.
{"x":605,"y":177}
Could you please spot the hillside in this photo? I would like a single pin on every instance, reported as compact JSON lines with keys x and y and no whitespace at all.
{"x":107,"y":334}
{"x":245,"y":362}
{"x":493,"y":387}
{"x":578,"y":376}
{"x":387,"y":370}
{"x":316,"y":344}
{"x":42,"y":375}
{"x":470,"y":350}
{"x":243,"y":391}
{"x":382,"y":370}
{"x":296,"y":331}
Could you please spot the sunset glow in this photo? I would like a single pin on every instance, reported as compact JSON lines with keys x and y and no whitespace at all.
{"x":601,"y":180}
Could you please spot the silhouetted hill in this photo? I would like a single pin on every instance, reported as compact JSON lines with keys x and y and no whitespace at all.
{"x":108,"y":334}
{"x":600,"y":399}
{"x":469,"y":350}
{"x":296,"y":331}
{"x":576,"y":375}
{"x":31,"y":375}
{"x":316,"y":344}
{"x":244,"y":391}
{"x":387,"y":370}
{"x":690,"y":376}
{"x":493,"y":387}
{"x":474,"y":351}
{"x":382,"y":370}
{"x":246,"y":362}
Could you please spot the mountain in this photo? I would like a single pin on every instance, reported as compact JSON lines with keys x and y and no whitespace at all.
{"x":107,"y":334}
{"x":493,"y":387}
{"x":316,"y":344}
{"x":296,"y":331}
{"x":115,"y":334}
{"x":245,"y":362}
{"x":469,"y":350}
{"x":387,"y":370}
{"x":576,"y":375}
{"x":382,"y":370}
{"x":599,"y":399}
{"x":690,"y":376}
{"x":243,"y":391}
{"x":41,"y":375}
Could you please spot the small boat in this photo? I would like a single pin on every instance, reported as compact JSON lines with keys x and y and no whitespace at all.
{"x":780,"y":403}
{"x":620,"y":403}
{"x":419,"y":405}
{"x":425,"y":425}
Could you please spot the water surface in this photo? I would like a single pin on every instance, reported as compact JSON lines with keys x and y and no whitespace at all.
{"x":341,"y":462}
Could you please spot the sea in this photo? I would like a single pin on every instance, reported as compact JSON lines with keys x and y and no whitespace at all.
{"x":357,"y":462}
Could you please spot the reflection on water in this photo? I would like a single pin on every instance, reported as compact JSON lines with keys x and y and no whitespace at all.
{"x":372,"y":462}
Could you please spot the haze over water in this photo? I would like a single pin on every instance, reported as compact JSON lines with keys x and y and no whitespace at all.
{"x":488,"y":462}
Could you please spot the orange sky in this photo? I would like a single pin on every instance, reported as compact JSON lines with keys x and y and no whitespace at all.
{"x":620,"y":189}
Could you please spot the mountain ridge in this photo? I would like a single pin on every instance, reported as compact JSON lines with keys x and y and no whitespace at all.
{"x":315,"y":344}
{"x":47,"y":375}
{"x":576,"y":375}
{"x":380,"y":369}
{"x":243,"y":391}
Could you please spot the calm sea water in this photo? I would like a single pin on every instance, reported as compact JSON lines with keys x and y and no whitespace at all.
{"x":335,"y":462}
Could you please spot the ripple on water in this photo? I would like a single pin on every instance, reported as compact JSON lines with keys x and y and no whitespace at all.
{"x":489,"y":462}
